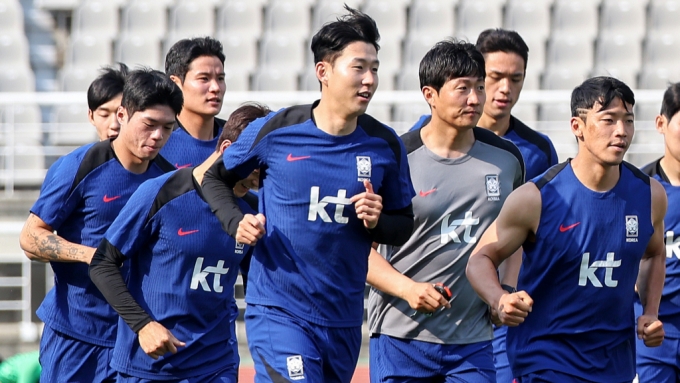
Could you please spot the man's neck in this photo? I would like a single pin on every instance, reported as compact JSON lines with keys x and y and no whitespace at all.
{"x":199,"y":127}
{"x":127,"y":159}
{"x":447,"y":141}
{"x":671,"y":167}
{"x":593,"y":174}
{"x":498,"y":125}
{"x":332,"y":119}
{"x":199,"y":171}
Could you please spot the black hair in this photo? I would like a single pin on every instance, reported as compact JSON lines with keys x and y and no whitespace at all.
{"x":107,"y":86}
{"x":671,"y":101}
{"x":450,"y":59}
{"x":184,"y":52}
{"x":239,"y":119}
{"x":602,"y":90}
{"x":503,"y":40}
{"x":333,"y":37}
{"x":146,"y":88}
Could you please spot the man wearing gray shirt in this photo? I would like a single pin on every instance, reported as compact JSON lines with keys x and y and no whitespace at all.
{"x":462,"y":175}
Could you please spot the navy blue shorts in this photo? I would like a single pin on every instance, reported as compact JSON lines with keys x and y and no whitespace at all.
{"x":500,"y":357}
{"x":658,"y":364}
{"x":405,"y":360}
{"x":66,"y":359}
{"x":286,"y":348}
{"x":551,"y":376}
{"x":227,"y":375}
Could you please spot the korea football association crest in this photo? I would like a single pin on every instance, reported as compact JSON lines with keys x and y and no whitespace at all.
{"x":363,"y":168}
{"x":493,"y":188}
{"x":631,"y":228}
{"x":296,"y":370}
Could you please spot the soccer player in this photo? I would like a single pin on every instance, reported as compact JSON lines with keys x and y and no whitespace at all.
{"x":79,"y":201}
{"x":334,"y":181}
{"x":103,"y":100}
{"x":463,"y":175}
{"x":660,"y":364}
{"x":197,"y":67}
{"x":182,"y":265}
{"x":592,"y":230}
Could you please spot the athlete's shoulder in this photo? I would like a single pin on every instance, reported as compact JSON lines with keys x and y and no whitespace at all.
{"x":290,"y":116}
{"x":490,"y":138}
{"x":536,"y":138}
{"x":422,"y":121}
{"x":636,"y":172}
{"x":163,"y":164}
{"x":87,"y":158}
{"x":412,"y":140}
{"x":165,"y":188}
{"x":653,"y":169}
{"x":549,"y":175}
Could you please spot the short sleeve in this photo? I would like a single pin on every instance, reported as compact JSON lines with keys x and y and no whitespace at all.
{"x":58,"y":195}
{"x":397,"y":189}
{"x":249,"y":151}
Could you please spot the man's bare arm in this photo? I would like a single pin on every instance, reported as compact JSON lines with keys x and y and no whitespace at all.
{"x":653,"y":264}
{"x":40,"y":243}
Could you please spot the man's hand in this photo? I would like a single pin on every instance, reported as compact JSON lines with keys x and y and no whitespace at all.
{"x":513,"y":308}
{"x":650,"y":330}
{"x":493,"y":316}
{"x":423,"y":297}
{"x":250,"y":229}
{"x":368,"y":206}
{"x":156,"y":340}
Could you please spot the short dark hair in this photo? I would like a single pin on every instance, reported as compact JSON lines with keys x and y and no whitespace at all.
{"x":333,"y":37}
{"x":450,"y":59}
{"x":146,"y":88}
{"x":503,"y":40}
{"x":107,"y":86}
{"x":602,"y":90}
{"x":671,"y":101}
{"x":185,"y":51}
{"x":239,"y":119}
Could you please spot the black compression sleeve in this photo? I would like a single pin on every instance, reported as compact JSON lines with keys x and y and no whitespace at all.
{"x":217,"y":188}
{"x":105,"y":273}
{"x":394,"y":227}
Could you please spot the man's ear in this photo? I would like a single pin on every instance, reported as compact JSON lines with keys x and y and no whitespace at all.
{"x":176,"y":80}
{"x":322,"y":69}
{"x":121,"y":115}
{"x":577,"y":126}
{"x":430,"y":95}
{"x":224,"y":145}
{"x":661,"y":122}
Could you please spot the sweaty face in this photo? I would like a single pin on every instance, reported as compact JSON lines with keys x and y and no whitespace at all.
{"x":203,"y":87}
{"x":504,"y":81}
{"x":353,"y":78}
{"x":250,"y":182}
{"x":104,"y":118}
{"x":671,"y":133}
{"x":460,"y":101}
{"x":146,"y":131}
{"x":607,"y":134}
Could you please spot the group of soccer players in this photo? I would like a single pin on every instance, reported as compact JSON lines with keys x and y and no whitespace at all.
{"x":148,"y":229}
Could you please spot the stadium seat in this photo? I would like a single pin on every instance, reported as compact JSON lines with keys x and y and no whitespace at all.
{"x":274,"y":79}
{"x":356,"y":4}
{"x":241,"y":18}
{"x":532,"y":79}
{"x":29,"y":165}
{"x":537,"y":53}
{"x":664,"y":16}
{"x":525,"y":111}
{"x":405,"y":115}
{"x":192,"y":18}
{"x":381,"y":112}
{"x":282,"y":51}
{"x":16,"y":78}
{"x":415,"y":48}
{"x":627,"y":76}
{"x":617,"y":52}
{"x":389,"y":15}
{"x":407,"y":79}
{"x":96,"y":18}
{"x":530,"y":18}
{"x":308,"y":80}
{"x":288,"y":18}
{"x":661,"y":51}
{"x":569,"y":51}
{"x":326,"y":11}
{"x":658,"y":78}
{"x":13,"y":49}
{"x":86,"y":50}
{"x":76,"y":79}
{"x":390,"y":61}
{"x":577,"y":18}
{"x":147,"y":18}
{"x":11,"y":17}
{"x":25,"y":120}
{"x":562,"y":79}
{"x":431,"y":17}
{"x":137,"y":50}
{"x":475,"y":16}
{"x":240,"y":51}
{"x":623,"y":17}
{"x":71,"y":127}
{"x":237,"y":79}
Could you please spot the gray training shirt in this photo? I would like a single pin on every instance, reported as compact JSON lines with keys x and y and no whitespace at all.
{"x":457,"y":200}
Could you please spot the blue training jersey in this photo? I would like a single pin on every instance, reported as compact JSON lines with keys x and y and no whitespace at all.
{"x":182,"y":271}
{"x":79,"y":199}
{"x":313,"y":259}
{"x":537,"y":149}
{"x":183,"y":150}
{"x":580,"y":271}
{"x":669,"y":310}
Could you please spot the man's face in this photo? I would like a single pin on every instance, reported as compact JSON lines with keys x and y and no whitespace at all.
{"x":606,"y":134}
{"x":504,"y":81}
{"x":203,"y":87}
{"x":250,"y":182}
{"x":104,"y":118}
{"x":353,"y":78}
{"x":459,"y":102}
{"x":146,"y":131}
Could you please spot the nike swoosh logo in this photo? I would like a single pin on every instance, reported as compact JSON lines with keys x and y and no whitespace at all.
{"x":426,"y":193}
{"x":565,"y":228}
{"x":182,"y":166}
{"x":108,"y":199}
{"x":183,"y":233}
{"x":290,"y":158}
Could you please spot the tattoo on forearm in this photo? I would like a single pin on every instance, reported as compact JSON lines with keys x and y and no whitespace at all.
{"x":50,"y":246}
